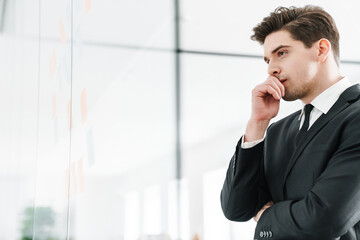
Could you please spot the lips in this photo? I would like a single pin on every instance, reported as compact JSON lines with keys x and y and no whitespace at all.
{"x":282,"y":80}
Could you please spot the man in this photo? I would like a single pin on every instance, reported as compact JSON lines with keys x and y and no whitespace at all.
{"x":301,"y":180}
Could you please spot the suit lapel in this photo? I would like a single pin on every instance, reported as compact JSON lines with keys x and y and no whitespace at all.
{"x":345,"y":99}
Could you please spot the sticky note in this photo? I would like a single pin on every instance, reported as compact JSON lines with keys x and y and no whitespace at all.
{"x":87,"y":6}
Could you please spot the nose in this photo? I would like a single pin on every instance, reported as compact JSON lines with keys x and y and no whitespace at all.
{"x":273,"y":69}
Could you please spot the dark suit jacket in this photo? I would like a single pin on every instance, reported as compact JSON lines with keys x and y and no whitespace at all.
{"x":315,"y":186}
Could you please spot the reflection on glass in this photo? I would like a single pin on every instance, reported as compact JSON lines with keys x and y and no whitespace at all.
{"x":45,"y":224}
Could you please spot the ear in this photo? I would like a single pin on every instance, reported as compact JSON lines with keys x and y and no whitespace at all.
{"x":324,"y":49}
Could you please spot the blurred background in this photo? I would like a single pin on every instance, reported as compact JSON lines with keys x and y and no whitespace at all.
{"x":119,"y":118}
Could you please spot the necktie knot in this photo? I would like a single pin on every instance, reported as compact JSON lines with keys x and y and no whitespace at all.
{"x":307,"y":109}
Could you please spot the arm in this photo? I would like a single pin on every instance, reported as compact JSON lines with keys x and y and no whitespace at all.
{"x":244,"y":191}
{"x":331,"y":207}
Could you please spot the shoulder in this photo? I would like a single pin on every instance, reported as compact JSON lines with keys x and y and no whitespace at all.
{"x":351,"y":115}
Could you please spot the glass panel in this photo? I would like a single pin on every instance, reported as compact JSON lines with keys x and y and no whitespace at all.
{"x":18,"y":123}
{"x":226,"y":26}
{"x":352,"y":71}
{"x":136,"y":23}
{"x":52,"y":180}
{"x":122,"y":142}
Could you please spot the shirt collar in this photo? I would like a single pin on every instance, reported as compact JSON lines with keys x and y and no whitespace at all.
{"x":325,"y":100}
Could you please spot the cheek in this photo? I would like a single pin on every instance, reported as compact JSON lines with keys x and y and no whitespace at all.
{"x":311,"y":70}
{"x":305,"y":71}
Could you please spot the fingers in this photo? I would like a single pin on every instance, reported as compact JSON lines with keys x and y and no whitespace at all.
{"x":265,"y":89}
{"x":276,"y":85}
{"x":271,"y":86}
{"x":266,"y":100}
{"x":279,"y":84}
{"x":258,"y":215}
{"x":275,"y":92}
{"x":266,"y":206}
{"x":269,"y":204}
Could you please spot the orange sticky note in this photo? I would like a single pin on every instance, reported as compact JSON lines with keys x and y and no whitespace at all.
{"x":62,"y":31}
{"x":80,"y":174}
{"x":87,"y":6}
{"x":83,"y":106}
{"x":52,"y":64}
{"x":54,"y":105}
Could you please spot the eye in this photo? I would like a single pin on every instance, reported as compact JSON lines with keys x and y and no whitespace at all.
{"x":281,"y":53}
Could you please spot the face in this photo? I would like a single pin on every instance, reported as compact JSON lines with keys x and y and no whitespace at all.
{"x":292,"y":63}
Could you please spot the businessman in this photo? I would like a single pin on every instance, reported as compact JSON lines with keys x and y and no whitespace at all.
{"x":299,"y":177}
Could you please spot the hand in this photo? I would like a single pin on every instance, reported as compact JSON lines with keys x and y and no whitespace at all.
{"x":260,"y":212}
{"x":266,"y":99}
{"x":265,"y":106}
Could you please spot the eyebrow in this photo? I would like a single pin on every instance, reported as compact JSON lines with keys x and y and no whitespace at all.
{"x":275,"y":50}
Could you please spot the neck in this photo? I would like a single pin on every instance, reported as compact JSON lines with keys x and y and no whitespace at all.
{"x":327,"y":76}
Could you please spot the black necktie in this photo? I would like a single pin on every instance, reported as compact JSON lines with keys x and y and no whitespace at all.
{"x":305,"y":126}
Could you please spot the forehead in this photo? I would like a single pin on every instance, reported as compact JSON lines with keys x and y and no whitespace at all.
{"x":279,"y":38}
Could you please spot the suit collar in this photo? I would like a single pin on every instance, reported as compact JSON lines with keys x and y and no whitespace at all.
{"x":346,"y":98}
{"x":351,"y":94}
{"x":325,"y":100}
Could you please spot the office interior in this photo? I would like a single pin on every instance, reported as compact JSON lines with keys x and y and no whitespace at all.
{"x":119,"y":118}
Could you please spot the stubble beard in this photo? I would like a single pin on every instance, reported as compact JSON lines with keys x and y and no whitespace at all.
{"x":298,"y":92}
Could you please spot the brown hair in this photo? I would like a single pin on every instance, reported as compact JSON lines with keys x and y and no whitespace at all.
{"x":307,"y":24}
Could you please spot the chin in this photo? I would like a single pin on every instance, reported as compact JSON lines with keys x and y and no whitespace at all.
{"x":290,"y":98}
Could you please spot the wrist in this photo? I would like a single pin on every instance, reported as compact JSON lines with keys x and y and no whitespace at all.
{"x":255,"y":129}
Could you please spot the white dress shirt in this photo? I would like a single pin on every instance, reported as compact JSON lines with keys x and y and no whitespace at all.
{"x":322,"y":104}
